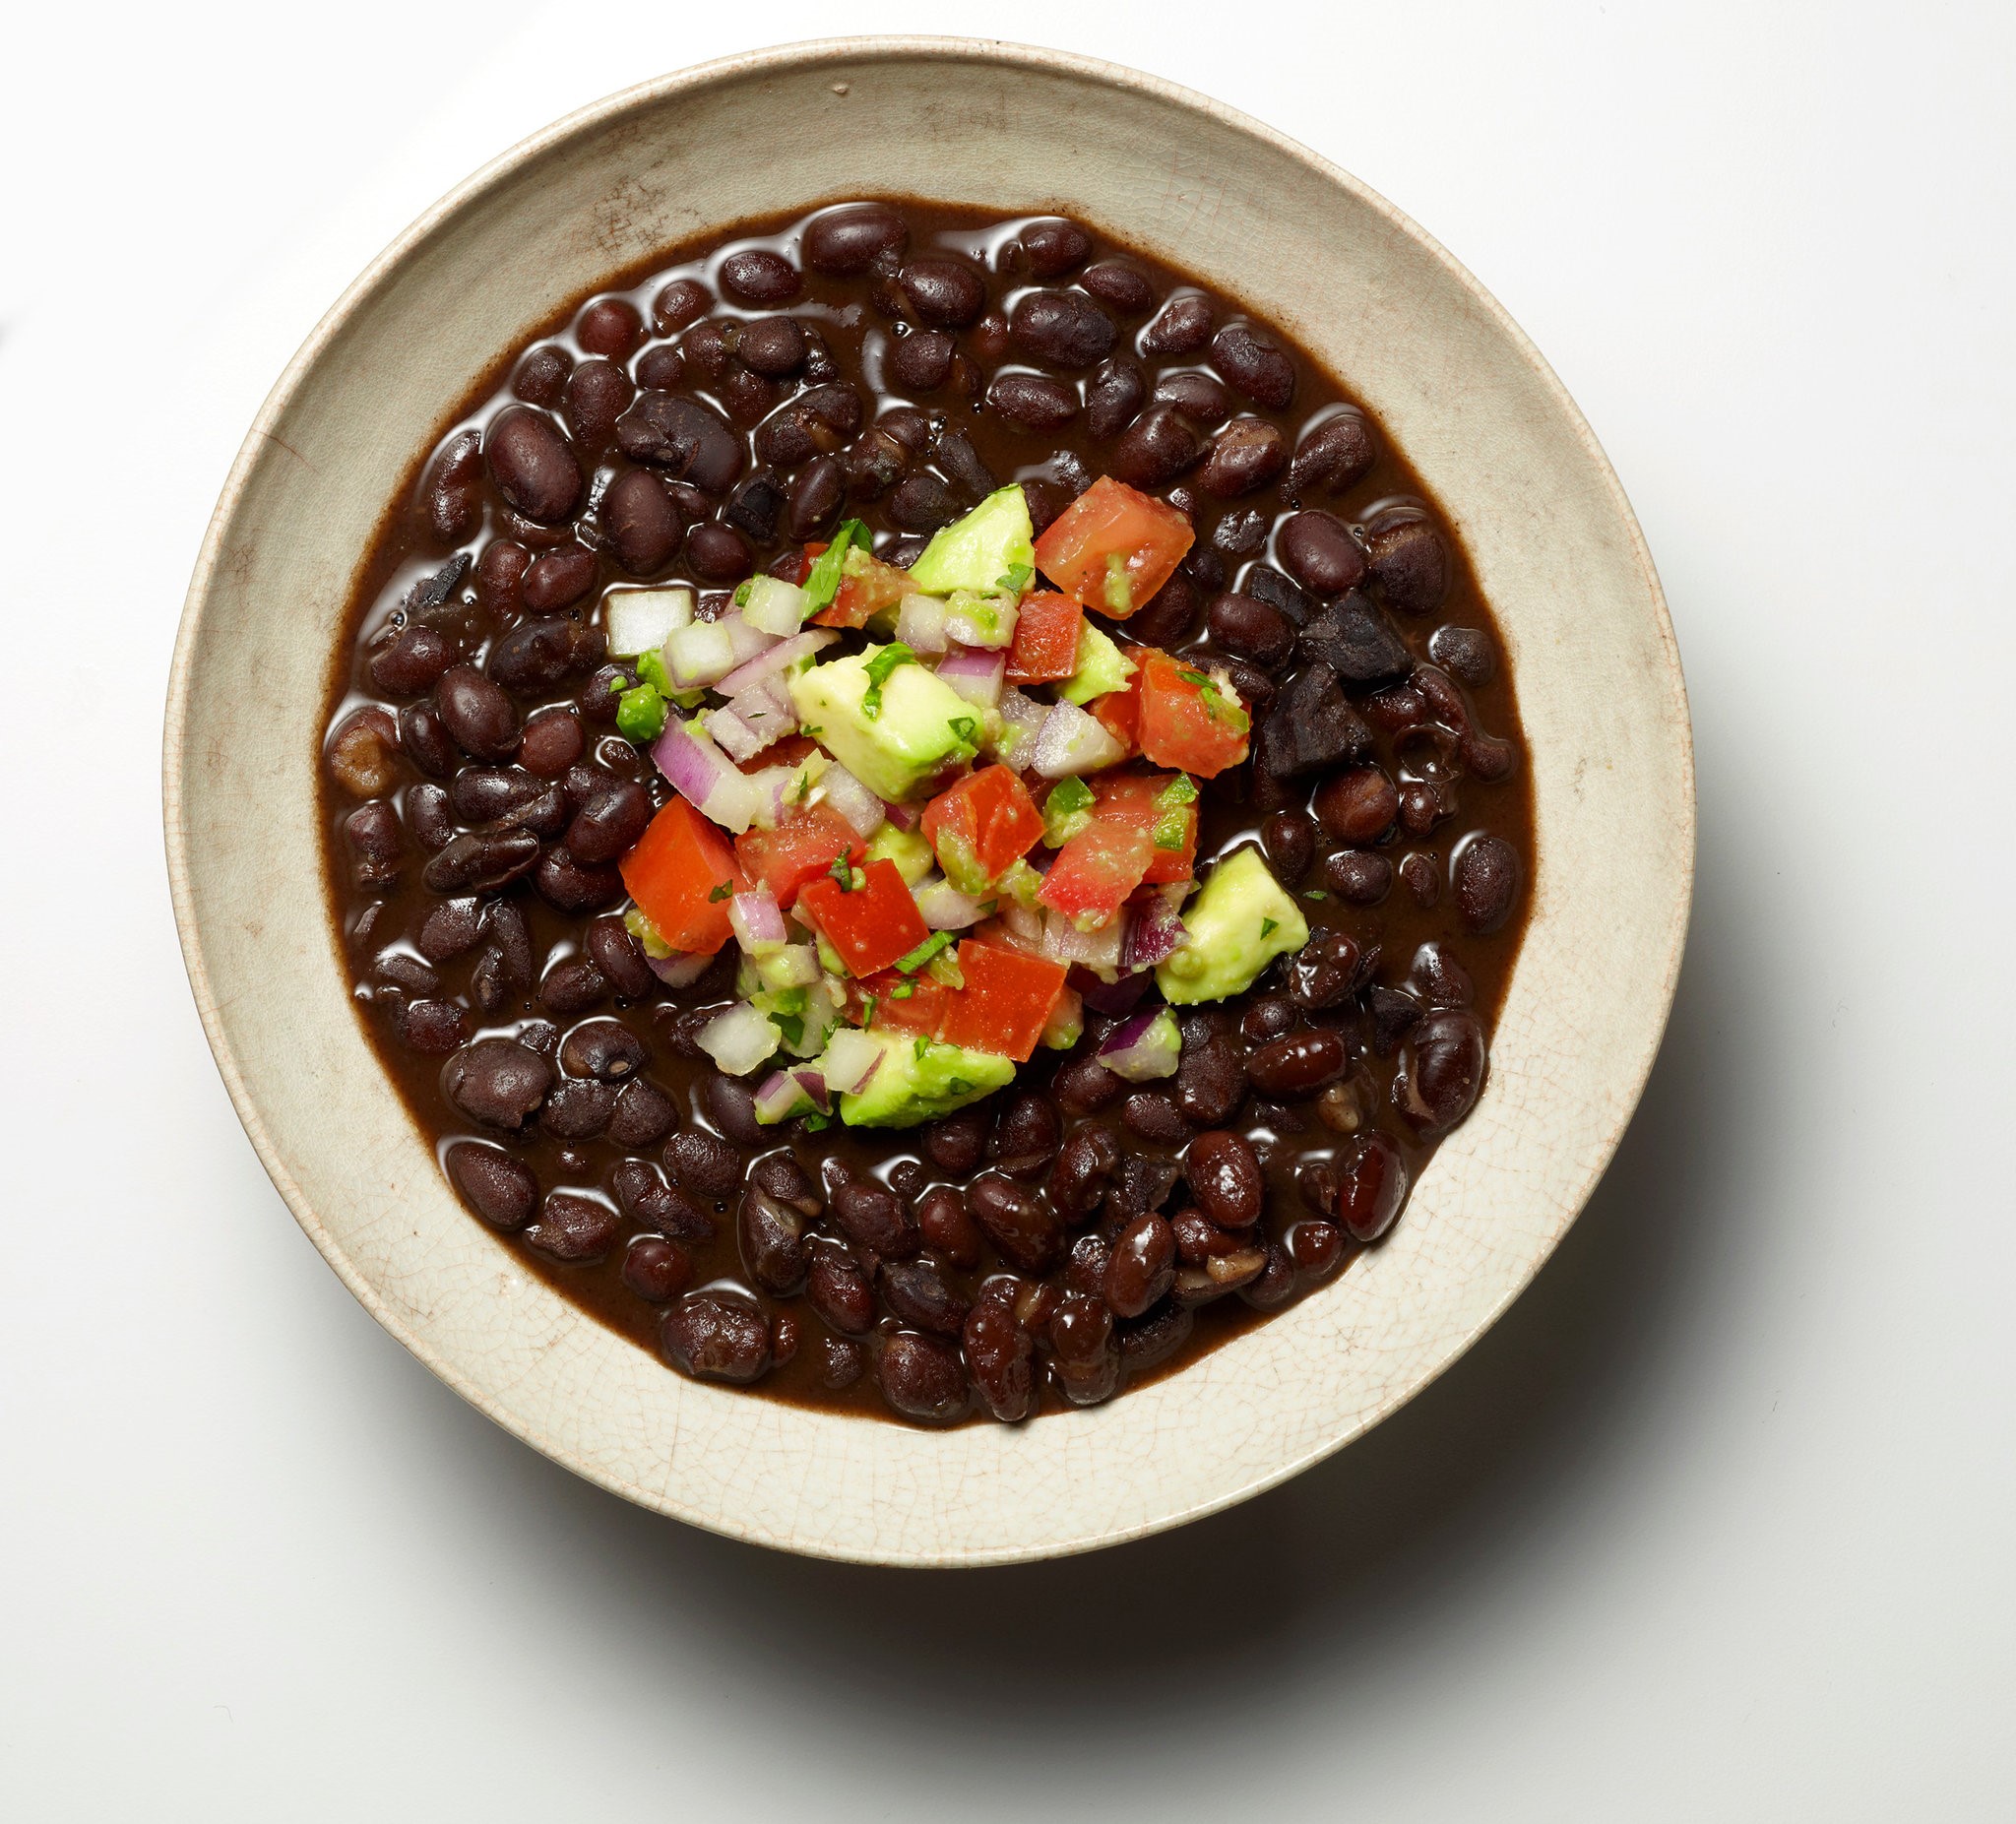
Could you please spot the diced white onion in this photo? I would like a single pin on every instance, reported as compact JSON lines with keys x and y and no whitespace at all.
{"x":945,"y":908}
{"x":739,"y":1040}
{"x":851,"y":1059}
{"x":1064,"y":942}
{"x":774,"y":606}
{"x":863,"y":809}
{"x":699,"y":652}
{"x":920,"y":623}
{"x":1073,"y":742}
{"x":640,"y":620}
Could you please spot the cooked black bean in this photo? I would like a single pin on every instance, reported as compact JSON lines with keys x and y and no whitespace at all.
{"x":922,"y":1378}
{"x":717,"y":1335}
{"x":916,"y":1293}
{"x":758,"y":276}
{"x":619,"y":957}
{"x":816,"y":496}
{"x":1017,"y":1221}
{"x":1327,"y":970}
{"x":921,"y":361}
{"x":1211,"y":1082}
{"x":1485,"y":876}
{"x":945,"y":292}
{"x":1125,"y":287}
{"x":1028,"y":1136}
{"x":596,"y":394}
{"x":771,"y":1239}
{"x":1359,"y":876}
{"x":1000,"y":1355}
{"x":1298,"y":1065}
{"x":1085,"y":1085}
{"x":690,"y":441}
{"x":606,"y":1049}
{"x":609,"y":825}
{"x":429,"y":815}
{"x":532,"y":464}
{"x":361,"y":755}
{"x":645,"y":1116}
{"x":923,"y":502}
{"x":947,"y":1228}
{"x":1087,"y":1351}
{"x":1246,"y":625}
{"x":956,"y":1144}
{"x":1054,"y":247}
{"x":644,"y":1197}
{"x":641,"y":521}
{"x":566,"y":884}
{"x":1409,"y":561}
{"x":499,"y":1188}
{"x":1034,"y":402}
{"x":434,"y":1028}
{"x":477,"y":713}
{"x":1084,"y":1167}
{"x":1222,"y":1168}
{"x":1371,"y":1185}
{"x":1183,"y":326}
{"x":1142,"y":1267}
{"x":1157,"y":448}
{"x":1155,"y":1115}
{"x":578,"y":1110}
{"x":1245,"y":455}
{"x":703,"y":1163}
{"x":1442,"y":1070}
{"x":542,"y":375}
{"x":482,"y":860}
{"x":845,"y":241}
{"x":1466,"y":653}
{"x":1253,"y":362}
{"x":1319,"y":552}
{"x":572,"y":987}
{"x":1061,"y":328}
{"x":450,"y":929}
{"x":657,"y":1270}
{"x":413,"y":663}
{"x":1275,"y":1284}
{"x":872,"y":1216}
{"x":497,"y":1082}
{"x":1358,"y":806}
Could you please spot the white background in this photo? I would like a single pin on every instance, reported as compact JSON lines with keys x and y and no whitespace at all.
{"x":1715,"y":1526}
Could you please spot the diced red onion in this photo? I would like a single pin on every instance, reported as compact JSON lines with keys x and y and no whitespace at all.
{"x":814,"y":1086}
{"x":1156,"y":931}
{"x":945,"y":908}
{"x":920,"y":623}
{"x":1111,"y":999}
{"x":778,"y":658}
{"x":1073,"y":742}
{"x":975,"y":675}
{"x":750,"y":721}
{"x":757,"y":919}
{"x":679,"y":972}
{"x":1144,"y":1047}
{"x":706,"y":776}
{"x":903,"y":816}
{"x":1022,"y":715}
{"x":748,"y":642}
{"x":862,"y":809}
{"x":1064,"y":942}
{"x":851,"y":1058}
{"x":779,"y":1097}
{"x":739,"y":1040}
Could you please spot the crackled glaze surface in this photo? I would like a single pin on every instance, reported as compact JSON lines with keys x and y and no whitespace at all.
{"x":1556,"y":552}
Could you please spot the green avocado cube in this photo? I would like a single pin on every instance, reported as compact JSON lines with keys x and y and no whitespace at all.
{"x":995,"y":540}
{"x":894,"y":735}
{"x":1238,"y":924}
{"x":920,"y":1080}
{"x":1101,"y":667}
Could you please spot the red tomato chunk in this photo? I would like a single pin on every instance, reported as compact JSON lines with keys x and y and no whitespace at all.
{"x":874,"y":926}
{"x":1113,"y":547}
{"x":1096,"y":871}
{"x":1006,"y":1002}
{"x":1046,"y":635}
{"x":682,"y":874}
{"x":981,"y":827}
{"x":799,"y":850}
{"x":1189,"y":720}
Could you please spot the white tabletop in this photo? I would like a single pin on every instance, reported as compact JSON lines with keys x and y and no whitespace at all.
{"x":1715,"y":1526}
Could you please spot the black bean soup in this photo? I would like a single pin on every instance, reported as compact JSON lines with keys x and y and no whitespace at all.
{"x":1077,"y":1231}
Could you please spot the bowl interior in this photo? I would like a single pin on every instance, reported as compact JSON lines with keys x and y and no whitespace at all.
{"x":1556,"y":552}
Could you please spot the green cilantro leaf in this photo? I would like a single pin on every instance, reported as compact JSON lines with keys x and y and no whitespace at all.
{"x":1015,"y":579}
{"x":824,"y":581}
{"x":885,"y":661}
{"x":741,"y":596}
{"x":839,"y":870}
{"x":1315,"y":893}
{"x":1066,"y":811}
{"x":818,"y":1123}
{"x":726,"y":891}
{"x":792,"y":1026}
{"x":902,"y":990}
{"x":1267,"y":926}
{"x":924,"y":1044}
{"x":923,"y":952}
{"x":959,"y":1086}
{"x":963,"y":727}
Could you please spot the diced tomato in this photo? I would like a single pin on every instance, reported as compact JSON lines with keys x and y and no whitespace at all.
{"x":1189,"y":720}
{"x":867,"y":586}
{"x":1113,"y":547}
{"x":873,"y":926}
{"x":1096,"y":871}
{"x":981,"y":827}
{"x":1118,"y":712}
{"x":798,"y":850}
{"x":682,"y":874}
{"x":1138,"y":800}
{"x":1005,"y":1003}
{"x":905,"y":1003}
{"x":1047,"y":633}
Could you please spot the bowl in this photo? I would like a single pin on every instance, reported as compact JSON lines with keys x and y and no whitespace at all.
{"x":1459,"y":389}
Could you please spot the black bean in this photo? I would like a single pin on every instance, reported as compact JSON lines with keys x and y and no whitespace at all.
{"x":1320,"y":553}
{"x":1370,"y":1186}
{"x":755,"y":507}
{"x":872,"y":1216}
{"x":477,"y":713}
{"x":816,"y":496}
{"x":840,"y":1292}
{"x":1156,"y":1338}
{"x":1054,"y":247}
{"x":717,"y":1335}
{"x":1062,"y":329}
{"x":482,"y":860}
{"x":771,"y":1239}
{"x":413,"y":663}
{"x":1182,"y":327}
{"x":1085,"y":1267}
{"x":490,"y":794}
{"x":497,"y":1082}
{"x":362,"y":753}
{"x":656,"y":1269}
{"x":955,"y":453}
{"x":572,"y":987}
{"x":1085,"y":1085}
{"x":1028,"y":1137}
{"x":1246,"y":454}
{"x":1327,"y":970}
{"x":1275,"y":1284}
{"x":772,"y":346}
{"x":644,"y":1197}
{"x":1017,"y":1221}
{"x":1409,"y":561}
{"x":1125,"y":287}
{"x":450,"y":930}
{"x":919,"y":1295}
{"x":1289,"y":840}
{"x":1084,"y":1167}
{"x":717,"y":554}
{"x":1154,"y":1114}
{"x":842,"y":242}
{"x":1298,"y":1065}
{"x":705,"y":1164}
{"x":1395,"y":1013}
{"x":922,"y":503}
{"x":1222,"y":1170}
{"x":1112,"y":396}
{"x":532,"y":464}
{"x":606,"y":1049}
{"x":1087,"y":1352}
{"x":1271,"y":1017}
{"x":945,"y":292}
{"x":1465,"y":652}
{"x":921,"y":361}
{"x":683,"y":302}
{"x":1211,"y":1082}
{"x":1358,"y":806}
{"x":1486,"y":875}
{"x":1170,"y":614}
{"x":566,"y":884}
{"x":1242,"y":533}
{"x":690,"y":441}
{"x":1000,"y":1355}
{"x":1334,"y":453}
{"x":499,"y":1188}
{"x":1252,"y":361}
{"x":1441,"y":1071}
{"x":598,"y":392}
{"x":641,"y":521}
{"x":758,"y":276}
{"x":543,"y":374}
{"x":1034,"y":402}
{"x":645,"y":1116}
{"x":610,"y":326}
{"x":1246,"y":625}
{"x":609,"y":824}
{"x":500,"y":572}
{"x":1196,"y":395}
{"x":732,"y":1106}
{"x":922,"y":1378}
{"x":1157,"y":448}
{"x":946,"y":1228}
{"x":578,"y":1110}
{"x":1142,"y":1267}
{"x":434,"y":1028}
{"x":429,"y":815}
{"x":619,"y":957}
{"x":1359,"y":876}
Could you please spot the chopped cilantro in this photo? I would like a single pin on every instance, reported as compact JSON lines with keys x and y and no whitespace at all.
{"x":792,"y":1026}
{"x":1195,"y":678}
{"x":963,"y":727}
{"x":923,"y":952}
{"x":818,"y":1123}
{"x":741,"y":596}
{"x":1182,"y":790}
{"x":824,"y":581}
{"x":804,"y":787}
{"x":839,"y":870}
{"x":1014,"y":580}
{"x":1315,"y":893}
{"x":924,"y":1044}
{"x":959,"y":1086}
{"x":902,"y":992}
{"x":1267,"y":926}
{"x":726,"y":891}
{"x":879,"y":667}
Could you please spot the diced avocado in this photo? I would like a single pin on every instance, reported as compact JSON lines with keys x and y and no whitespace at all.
{"x":920,"y":1079}
{"x":1101,"y":667}
{"x":894,"y":731}
{"x":993,"y":541}
{"x":1240,"y":922}
{"x":906,"y":847}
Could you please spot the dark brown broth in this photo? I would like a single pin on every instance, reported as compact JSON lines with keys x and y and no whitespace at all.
{"x":1288,"y":1135}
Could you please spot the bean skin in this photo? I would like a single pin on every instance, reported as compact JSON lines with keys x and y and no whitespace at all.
{"x":1486,"y":875}
{"x":919,"y":1295}
{"x":1251,"y":628}
{"x":1001,"y":1357}
{"x":643,"y":521}
{"x":758,"y":276}
{"x":1442,"y":1070}
{"x":845,"y":241}
{"x":946,"y":1228}
{"x":1088,"y":1353}
{"x":1225,"y":1175}
{"x":872,"y":1216}
{"x":717,"y":1335}
{"x":1317,"y":549}
{"x":944,"y":291}
{"x":656,"y":1269}
{"x":1142,"y":1266}
{"x":532,"y":466}
{"x":499,"y":1188}
{"x":1017,"y":1221}
{"x":1055,"y":247}
{"x":840,"y":1292}
{"x":1298,"y":1065}
{"x":477,"y":713}
{"x":609,"y":825}
{"x":922,"y":1378}
{"x":1061,"y":328}
{"x":1372,"y":1186}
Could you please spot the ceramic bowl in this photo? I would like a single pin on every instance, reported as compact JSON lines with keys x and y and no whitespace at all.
{"x":1456,"y":385}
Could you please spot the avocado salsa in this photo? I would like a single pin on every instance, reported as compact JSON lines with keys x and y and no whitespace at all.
{"x":927,"y":815}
